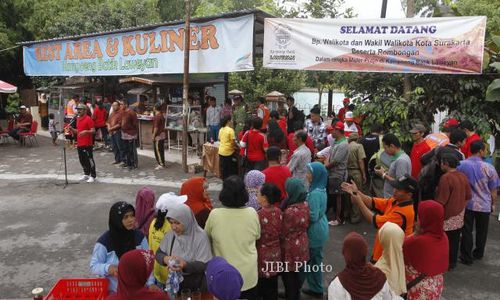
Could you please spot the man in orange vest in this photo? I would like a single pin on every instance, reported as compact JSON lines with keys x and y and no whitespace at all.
{"x":263,"y":113}
{"x":397,"y":209}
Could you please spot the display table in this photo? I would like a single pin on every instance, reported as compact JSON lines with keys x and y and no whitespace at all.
{"x":145,"y":130}
{"x":210,"y":159}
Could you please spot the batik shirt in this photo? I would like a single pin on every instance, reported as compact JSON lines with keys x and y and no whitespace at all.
{"x":317,"y":132}
{"x":482,"y":179}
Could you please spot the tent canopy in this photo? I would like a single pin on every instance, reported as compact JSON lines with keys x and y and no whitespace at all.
{"x":7,"y":88}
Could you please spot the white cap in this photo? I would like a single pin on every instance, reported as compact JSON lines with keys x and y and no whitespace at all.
{"x":349,"y":116}
{"x":167,"y":200}
{"x":23,"y":107}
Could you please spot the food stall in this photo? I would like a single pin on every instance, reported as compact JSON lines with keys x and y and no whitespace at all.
{"x":145,"y":91}
{"x":275,"y":100}
{"x":152,"y":56}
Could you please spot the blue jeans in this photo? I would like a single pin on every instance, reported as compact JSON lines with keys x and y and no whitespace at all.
{"x":118,"y":147}
{"x":213,"y":132}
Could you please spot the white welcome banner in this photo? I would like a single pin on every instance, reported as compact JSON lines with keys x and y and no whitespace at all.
{"x":427,"y":45}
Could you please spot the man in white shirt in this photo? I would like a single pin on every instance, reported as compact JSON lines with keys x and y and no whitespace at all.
{"x":349,"y":125}
{"x":213,"y":120}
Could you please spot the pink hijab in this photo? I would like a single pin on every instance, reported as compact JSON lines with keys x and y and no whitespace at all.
{"x":144,"y":209}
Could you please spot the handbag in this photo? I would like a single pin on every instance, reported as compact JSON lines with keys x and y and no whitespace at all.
{"x":413,"y":283}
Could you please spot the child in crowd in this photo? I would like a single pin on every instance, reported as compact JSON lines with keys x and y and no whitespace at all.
{"x":268,"y":246}
{"x":52,"y":129}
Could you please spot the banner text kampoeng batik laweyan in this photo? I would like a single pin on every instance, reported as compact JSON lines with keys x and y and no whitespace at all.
{"x":222,"y":45}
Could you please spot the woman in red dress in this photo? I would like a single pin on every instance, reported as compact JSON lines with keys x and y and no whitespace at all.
{"x":295,"y":243}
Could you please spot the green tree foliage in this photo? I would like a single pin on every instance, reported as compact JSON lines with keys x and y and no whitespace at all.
{"x":327,"y":9}
{"x":54,"y":18}
{"x":175,"y":9}
{"x":261,"y":81}
{"x":214,"y":7}
{"x":13,"y":13}
{"x":13,"y":103}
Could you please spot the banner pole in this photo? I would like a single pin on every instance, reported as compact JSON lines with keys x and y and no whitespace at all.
{"x":185,"y":90}
{"x":384,"y":9}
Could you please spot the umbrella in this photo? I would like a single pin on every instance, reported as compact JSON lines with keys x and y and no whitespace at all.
{"x":7,"y":88}
{"x":235,"y":92}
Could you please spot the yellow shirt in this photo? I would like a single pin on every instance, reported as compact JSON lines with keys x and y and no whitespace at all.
{"x":226,"y":141}
{"x":154,"y":240}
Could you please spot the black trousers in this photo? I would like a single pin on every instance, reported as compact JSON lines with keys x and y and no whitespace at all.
{"x":291,"y":281}
{"x":104,"y":134}
{"x":228,"y":166}
{"x":159,"y":147}
{"x":14,"y":133}
{"x":481,"y":221}
{"x":87,"y":160}
{"x":130,"y":153}
{"x":255,"y":165}
{"x":454,"y":242}
{"x":250,"y":294}
{"x":268,"y":288}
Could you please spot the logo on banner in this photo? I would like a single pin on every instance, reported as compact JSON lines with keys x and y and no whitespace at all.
{"x":282,"y":54}
{"x":283,"y":36}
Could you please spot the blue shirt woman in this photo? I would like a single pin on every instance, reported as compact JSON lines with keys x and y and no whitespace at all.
{"x":318,"y":227}
{"x":119,"y":239}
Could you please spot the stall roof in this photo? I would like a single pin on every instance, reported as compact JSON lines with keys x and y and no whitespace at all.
{"x":258,"y":28}
{"x":176,"y":79}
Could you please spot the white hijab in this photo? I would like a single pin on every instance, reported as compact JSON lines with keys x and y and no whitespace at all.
{"x":392,"y":262}
{"x":193,"y":243}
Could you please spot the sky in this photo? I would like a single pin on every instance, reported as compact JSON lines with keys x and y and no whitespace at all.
{"x":370,"y":9}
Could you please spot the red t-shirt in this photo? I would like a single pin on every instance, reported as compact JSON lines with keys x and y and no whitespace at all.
{"x":99,"y":117}
{"x":466,"y":148}
{"x":84,"y":123}
{"x":255,"y":142}
{"x":278,"y":175}
{"x":341,"y":114}
{"x":416,"y":153}
{"x":292,"y":146}
{"x":282,"y":125}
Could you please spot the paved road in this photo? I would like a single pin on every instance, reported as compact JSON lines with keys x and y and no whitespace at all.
{"x":48,"y":232}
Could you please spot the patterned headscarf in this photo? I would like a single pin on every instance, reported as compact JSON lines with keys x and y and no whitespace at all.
{"x":253,"y":182}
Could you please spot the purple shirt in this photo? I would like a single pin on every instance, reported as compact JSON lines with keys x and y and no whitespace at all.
{"x":482,"y":179}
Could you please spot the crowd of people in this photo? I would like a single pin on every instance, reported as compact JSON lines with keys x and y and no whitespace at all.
{"x":288,"y":180}
{"x":277,"y":198}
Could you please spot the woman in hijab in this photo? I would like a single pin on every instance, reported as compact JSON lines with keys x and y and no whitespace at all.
{"x":196,"y":189}
{"x":185,"y":248}
{"x":159,"y":227}
{"x":134,"y":269}
{"x":118,"y":240}
{"x":426,"y":253}
{"x":391,"y":263}
{"x":359,"y":280}
{"x":145,"y":204}
{"x":253,"y":182}
{"x":318,"y":226}
{"x":295,"y":243}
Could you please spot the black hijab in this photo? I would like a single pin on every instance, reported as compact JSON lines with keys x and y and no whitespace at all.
{"x":122,"y":240}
